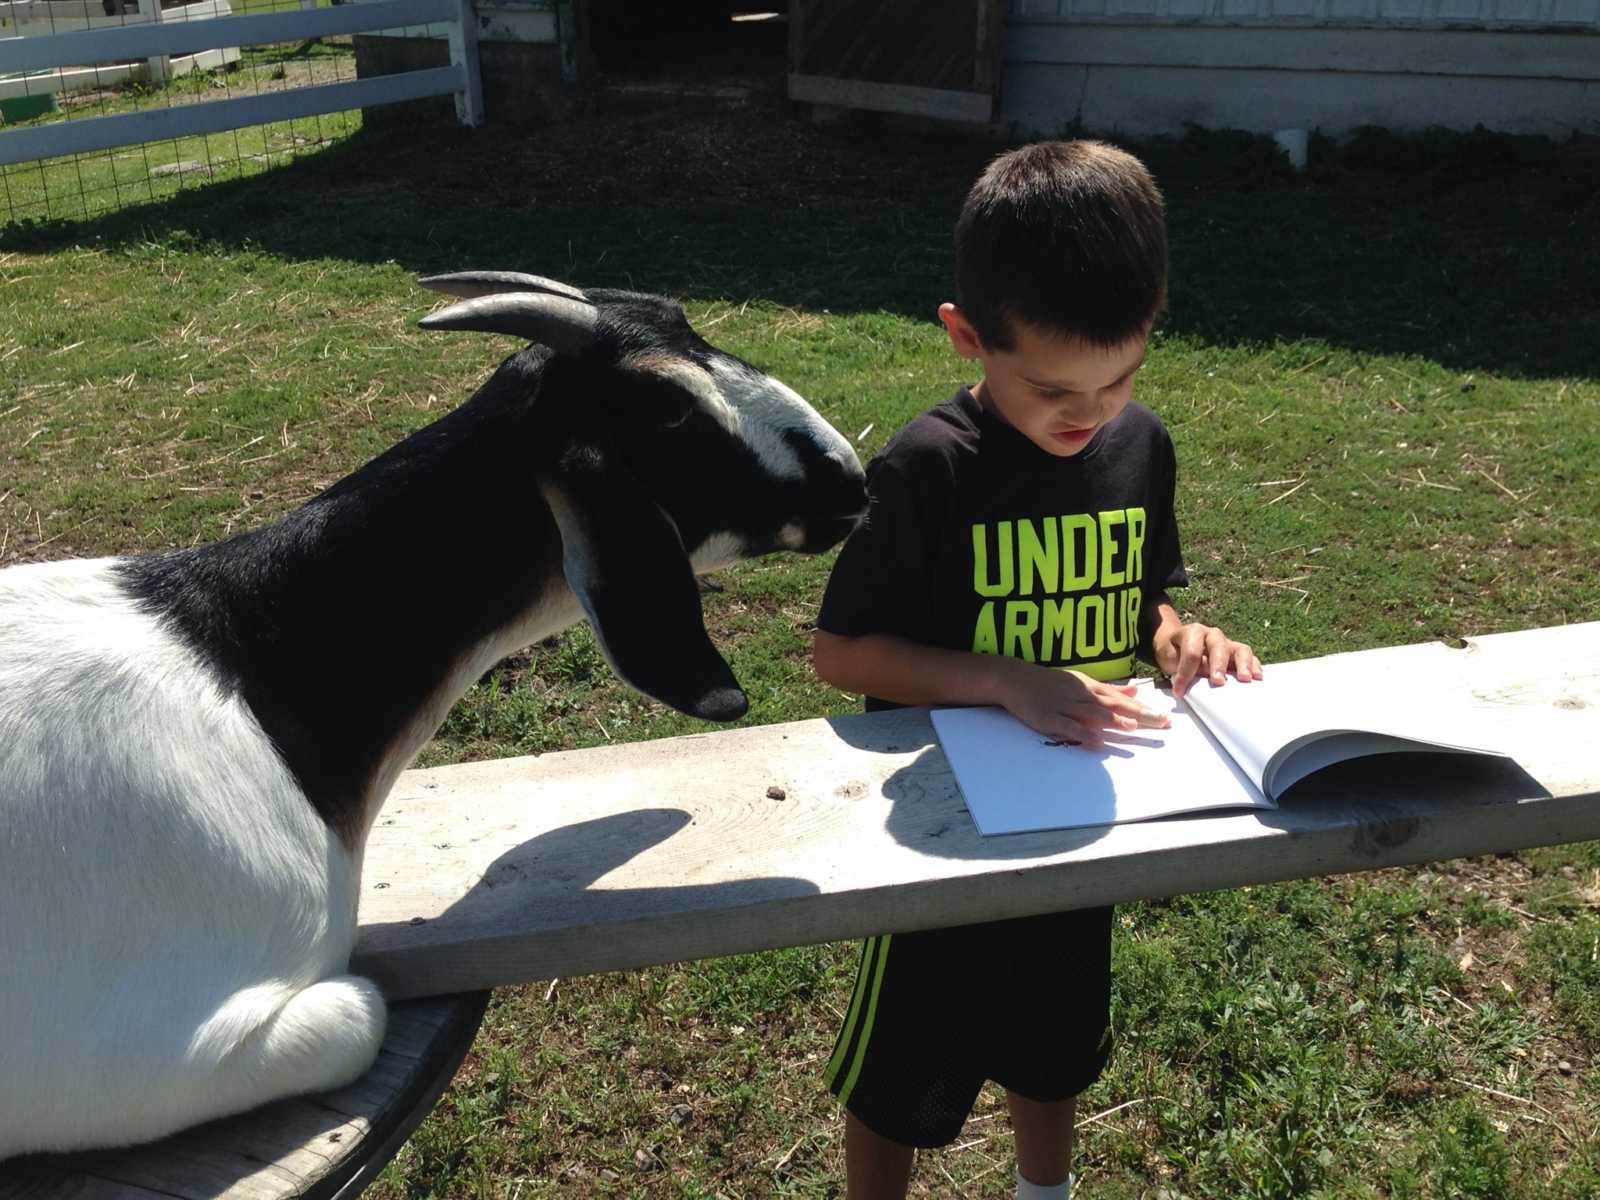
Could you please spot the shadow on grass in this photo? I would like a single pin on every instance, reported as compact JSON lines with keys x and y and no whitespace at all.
{"x":1476,"y":251}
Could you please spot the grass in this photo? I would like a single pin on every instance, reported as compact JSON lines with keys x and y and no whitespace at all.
{"x":1384,"y":384}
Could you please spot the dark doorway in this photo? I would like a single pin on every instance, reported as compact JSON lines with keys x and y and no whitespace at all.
{"x":713,"y":49}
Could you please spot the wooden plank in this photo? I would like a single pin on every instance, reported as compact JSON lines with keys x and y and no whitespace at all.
{"x":26,"y":1182}
{"x":1362,"y":51}
{"x":892,"y":97}
{"x":310,"y":1148}
{"x":986,"y":63}
{"x":622,"y":856}
{"x":177,"y":36}
{"x":799,"y":29}
{"x":215,"y":116}
{"x":192,"y":1173}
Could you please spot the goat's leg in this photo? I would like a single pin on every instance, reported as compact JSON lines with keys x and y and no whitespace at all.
{"x":264,"y":1044}
{"x":323,"y":1037}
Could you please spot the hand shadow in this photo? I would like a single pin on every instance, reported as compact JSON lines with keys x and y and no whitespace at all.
{"x":928,"y":814}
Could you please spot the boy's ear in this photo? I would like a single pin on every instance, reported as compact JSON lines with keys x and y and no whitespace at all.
{"x":963,"y":337}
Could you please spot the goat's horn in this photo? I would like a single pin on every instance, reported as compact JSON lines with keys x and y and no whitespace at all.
{"x":472,"y":284}
{"x":566,"y":326}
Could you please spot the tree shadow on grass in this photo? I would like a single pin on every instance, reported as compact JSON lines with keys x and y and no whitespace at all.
{"x":1476,"y":251}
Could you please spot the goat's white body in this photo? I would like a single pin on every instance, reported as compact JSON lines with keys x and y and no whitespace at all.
{"x":174,"y":915}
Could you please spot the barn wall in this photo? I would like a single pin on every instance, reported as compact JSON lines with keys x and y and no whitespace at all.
{"x":1153,"y":66}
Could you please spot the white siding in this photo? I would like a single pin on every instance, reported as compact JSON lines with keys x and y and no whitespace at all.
{"x":1488,"y":14}
{"x":1124,"y":68}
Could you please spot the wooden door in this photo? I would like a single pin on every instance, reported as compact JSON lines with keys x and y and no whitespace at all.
{"x":934,"y":58}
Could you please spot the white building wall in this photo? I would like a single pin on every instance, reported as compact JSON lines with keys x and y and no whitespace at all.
{"x":1155,"y":66}
{"x":1402,"y":14}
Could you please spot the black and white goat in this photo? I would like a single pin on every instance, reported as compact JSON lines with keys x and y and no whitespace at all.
{"x":194,"y":744}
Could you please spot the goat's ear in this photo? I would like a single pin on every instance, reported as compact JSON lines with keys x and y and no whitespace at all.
{"x":624,"y":560}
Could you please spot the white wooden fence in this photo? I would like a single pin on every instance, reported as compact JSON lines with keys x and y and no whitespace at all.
{"x":173,"y":38}
{"x":42,"y":18}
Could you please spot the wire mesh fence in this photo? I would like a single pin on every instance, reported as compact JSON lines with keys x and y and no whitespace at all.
{"x":85,"y":185}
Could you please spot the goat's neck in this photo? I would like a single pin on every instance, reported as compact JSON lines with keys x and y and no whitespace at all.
{"x":351,"y":626}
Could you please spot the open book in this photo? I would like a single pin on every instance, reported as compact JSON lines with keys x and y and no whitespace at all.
{"x":1238,"y":745}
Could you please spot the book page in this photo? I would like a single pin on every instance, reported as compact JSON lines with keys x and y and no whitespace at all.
{"x":1015,"y":780}
{"x":1305,"y":715}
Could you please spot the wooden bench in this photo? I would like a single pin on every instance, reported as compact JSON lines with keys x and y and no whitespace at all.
{"x":311,"y":1147}
{"x":624,"y":856}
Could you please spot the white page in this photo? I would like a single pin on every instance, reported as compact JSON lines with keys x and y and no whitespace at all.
{"x":1272,"y":726}
{"x":1014,"y":781}
{"x":1310,"y":757}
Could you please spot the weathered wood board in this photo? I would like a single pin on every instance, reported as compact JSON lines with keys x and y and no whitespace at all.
{"x":501,"y":872}
{"x":306,"y":1148}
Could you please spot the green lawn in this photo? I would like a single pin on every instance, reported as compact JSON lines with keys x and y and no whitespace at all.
{"x":1384,"y":384}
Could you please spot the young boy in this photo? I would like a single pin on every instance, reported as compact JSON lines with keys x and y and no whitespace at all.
{"x":1022,"y":526}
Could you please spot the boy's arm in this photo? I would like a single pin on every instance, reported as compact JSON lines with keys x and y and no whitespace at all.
{"x":1183,"y":651}
{"x":1065,"y":704}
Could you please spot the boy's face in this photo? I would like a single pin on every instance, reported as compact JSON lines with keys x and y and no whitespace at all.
{"x":1057,"y":392}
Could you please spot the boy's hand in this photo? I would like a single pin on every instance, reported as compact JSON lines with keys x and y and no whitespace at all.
{"x":1071,"y":706}
{"x":1190,"y":650}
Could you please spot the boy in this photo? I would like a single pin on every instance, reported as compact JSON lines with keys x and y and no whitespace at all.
{"x":1025,"y":524}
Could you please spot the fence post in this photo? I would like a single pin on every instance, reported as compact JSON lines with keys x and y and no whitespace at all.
{"x":464,"y":54}
{"x":160,"y":64}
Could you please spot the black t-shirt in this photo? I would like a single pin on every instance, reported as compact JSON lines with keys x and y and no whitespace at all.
{"x":979,"y":540}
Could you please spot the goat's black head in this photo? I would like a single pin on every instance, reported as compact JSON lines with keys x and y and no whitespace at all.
{"x":661,"y":456}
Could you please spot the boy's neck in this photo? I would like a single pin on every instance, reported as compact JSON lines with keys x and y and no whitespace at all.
{"x":980,"y":393}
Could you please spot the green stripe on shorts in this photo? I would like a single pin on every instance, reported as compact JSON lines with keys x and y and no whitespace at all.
{"x":847,"y":1030}
{"x":866,"y":1028}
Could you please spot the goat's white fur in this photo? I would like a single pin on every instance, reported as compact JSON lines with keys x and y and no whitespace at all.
{"x":768,"y":405}
{"x":145,"y":802}
{"x":224,"y":904}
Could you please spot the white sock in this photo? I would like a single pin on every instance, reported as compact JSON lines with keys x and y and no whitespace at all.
{"x":1038,"y":1191}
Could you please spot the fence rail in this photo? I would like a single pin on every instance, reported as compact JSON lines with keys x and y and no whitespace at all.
{"x":173,"y":36}
{"x":24,"y":54}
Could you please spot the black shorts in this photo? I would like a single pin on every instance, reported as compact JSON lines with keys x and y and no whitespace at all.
{"x":935,"y":1014}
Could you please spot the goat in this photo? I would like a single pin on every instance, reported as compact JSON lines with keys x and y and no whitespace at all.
{"x":194,"y":744}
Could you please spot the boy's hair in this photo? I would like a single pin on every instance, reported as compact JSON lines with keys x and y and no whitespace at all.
{"x":1066,"y":236}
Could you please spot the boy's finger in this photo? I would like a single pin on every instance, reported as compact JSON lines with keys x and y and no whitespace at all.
{"x":1121,"y":712}
{"x":1148,"y":718}
{"x":1138,"y":716}
{"x":1090,"y":714}
{"x":1218,"y":656}
{"x":1244,"y":662}
{"x":1190,"y":656}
